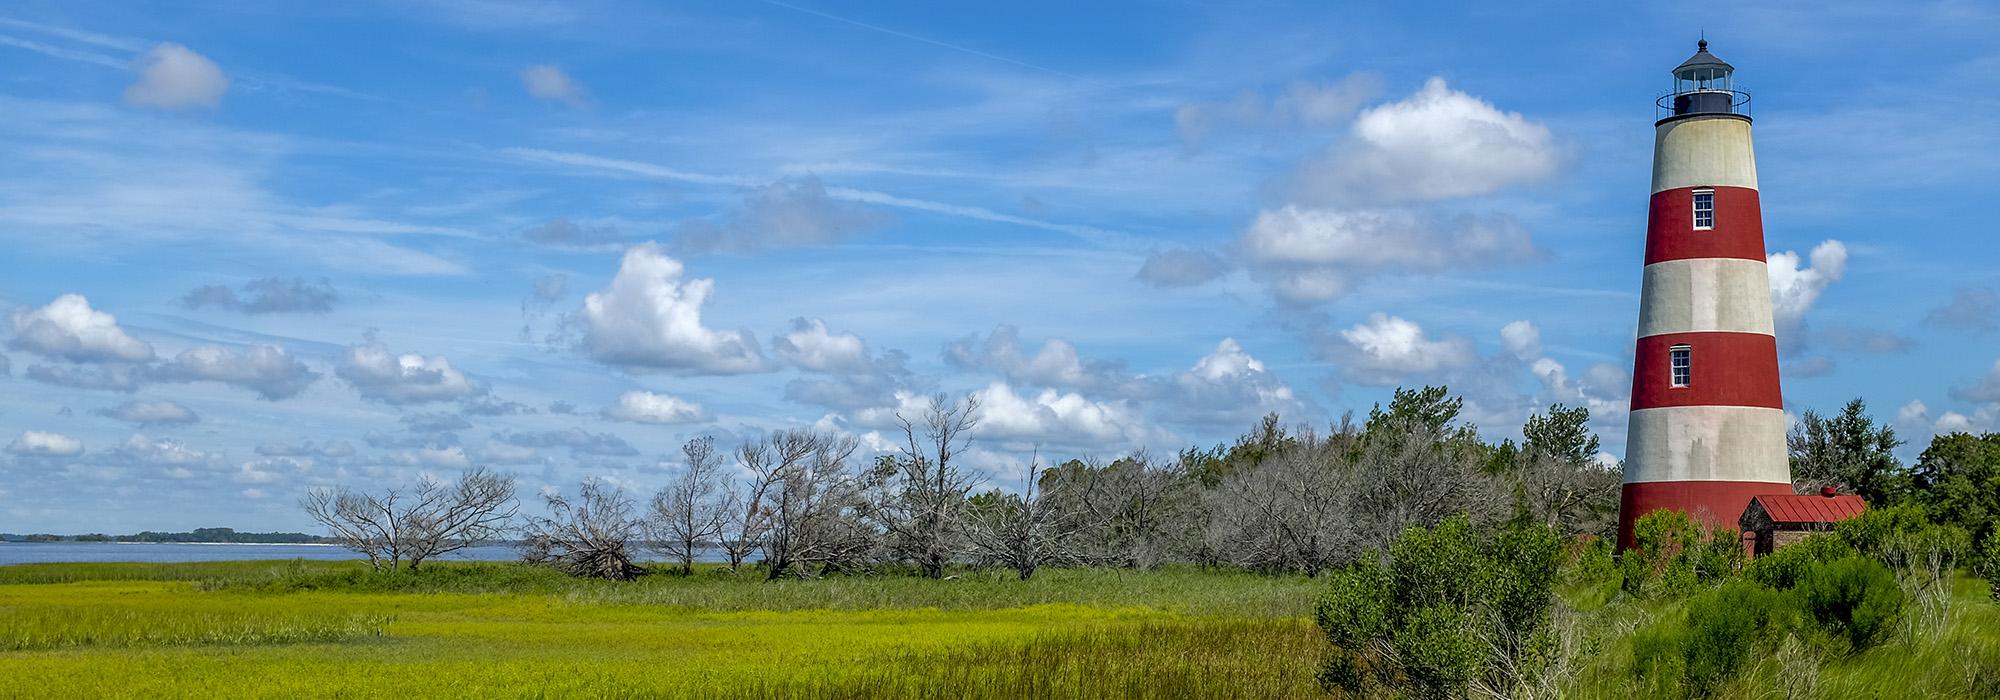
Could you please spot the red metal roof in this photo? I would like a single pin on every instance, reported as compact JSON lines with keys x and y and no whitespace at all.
{"x":1811,"y":508}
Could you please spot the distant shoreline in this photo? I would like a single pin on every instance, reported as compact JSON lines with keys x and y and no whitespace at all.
{"x":232,"y":544}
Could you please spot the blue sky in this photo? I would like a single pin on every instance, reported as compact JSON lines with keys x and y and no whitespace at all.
{"x":253,"y":249}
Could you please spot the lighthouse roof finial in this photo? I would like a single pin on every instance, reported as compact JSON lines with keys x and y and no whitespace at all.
{"x":1702,"y":63}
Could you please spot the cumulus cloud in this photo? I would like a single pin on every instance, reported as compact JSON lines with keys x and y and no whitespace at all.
{"x":269,"y":370}
{"x":1311,"y":255}
{"x":69,"y":329}
{"x":174,"y":77}
{"x":1051,"y":415}
{"x":34,"y":443}
{"x":1303,"y":104}
{"x":650,"y":319}
{"x":1229,"y":385}
{"x":649,"y":407}
{"x":161,"y":412}
{"x":1057,"y":363}
{"x":1976,"y":310}
{"x":548,"y":82}
{"x":1436,"y":144}
{"x":1182,"y":267}
{"x":791,"y":213}
{"x":266,"y":296}
{"x":142,"y":451}
{"x":1386,"y":349}
{"x":578,"y":440}
{"x":385,"y":376}
{"x":452,"y":457}
{"x":1794,"y":289}
{"x":810,"y":346}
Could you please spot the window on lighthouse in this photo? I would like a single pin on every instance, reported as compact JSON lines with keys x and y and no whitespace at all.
{"x":1704,"y":210}
{"x":1681,"y":360}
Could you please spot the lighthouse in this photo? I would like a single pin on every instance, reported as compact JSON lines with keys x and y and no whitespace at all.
{"x":1707,"y":428}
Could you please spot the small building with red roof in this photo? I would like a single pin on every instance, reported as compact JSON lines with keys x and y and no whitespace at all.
{"x":1780,"y":519}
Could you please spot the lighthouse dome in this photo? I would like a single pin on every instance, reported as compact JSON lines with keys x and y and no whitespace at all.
{"x":1702,"y":87}
{"x":1703,"y":65}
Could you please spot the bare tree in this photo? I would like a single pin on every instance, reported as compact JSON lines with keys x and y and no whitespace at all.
{"x":1290,"y":509}
{"x":747,"y":516}
{"x":812,"y":511}
{"x":926,"y":495}
{"x":415,"y":524}
{"x":593,"y":535}
{"x":1037,"y":527}
{"x":693,"y":510}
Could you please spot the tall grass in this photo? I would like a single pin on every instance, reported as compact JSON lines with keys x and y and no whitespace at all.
{"x":62,"y":628}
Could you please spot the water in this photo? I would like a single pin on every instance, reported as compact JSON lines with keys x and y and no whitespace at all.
{"x":42,"y":552}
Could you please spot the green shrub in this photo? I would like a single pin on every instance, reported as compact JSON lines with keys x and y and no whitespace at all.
{"x":1718,"y":633}
{"x":1782,"y":569}
{"x":1449,"y":605}
{"x":1855,"y":599}
{"x":1672,"y":555}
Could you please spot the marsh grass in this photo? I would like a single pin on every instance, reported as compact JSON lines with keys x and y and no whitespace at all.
{"x":63,"y":628}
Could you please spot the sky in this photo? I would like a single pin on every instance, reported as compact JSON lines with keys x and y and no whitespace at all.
{"x":251,"y":249}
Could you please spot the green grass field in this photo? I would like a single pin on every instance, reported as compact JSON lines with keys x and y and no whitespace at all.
{"x":332,"y":629}
{"x":292,"y":629}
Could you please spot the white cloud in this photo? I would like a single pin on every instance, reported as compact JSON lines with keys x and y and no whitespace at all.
{"x":1229,"y":385}
{"x":1055,"y":416}
{"x":650,"y":318}
{"x":1310,"y":255}
{"x":1057,"y":363}
{"x":503,"y":453}
{"x":173,"y":77}
{"x":402,"y":379}
{"x":1302,"y":104}
{"x":150,"y":412}
{"x":1795,"y":289}
{"x":267,"y":295}
{"x":140,"y":450}
{"x":810,"y":346}
{"x":1438,"y":143}
{"x":549,"y":82}
{"x":1522,"y":339}
{"x":39,"y":444}
{"x":270,"y":370}
{"x":450,"y":457}
{"x":69,"y":329}
{"x":649,"y":407}
{"x":1386,"y":349}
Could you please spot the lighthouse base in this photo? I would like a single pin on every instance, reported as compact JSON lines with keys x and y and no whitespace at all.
{"x":1712,"y":503}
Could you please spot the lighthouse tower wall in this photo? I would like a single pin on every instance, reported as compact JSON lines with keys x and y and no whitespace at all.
{"x":1708,"y":437}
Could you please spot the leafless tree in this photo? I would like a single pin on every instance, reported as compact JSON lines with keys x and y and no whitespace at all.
{"x":416,"y":524}
{"x":921,"y":506}
{"x":593,"y":535}
{"x":1289,"y":510}
{"x":747,"y":516}
{"x":1037,"y":527}
{"x":1411,"y":474}
{"x":813,"y":509}
{"x":693,"y":510}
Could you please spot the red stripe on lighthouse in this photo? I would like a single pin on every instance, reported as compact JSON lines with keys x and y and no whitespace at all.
{"x":1738,"y":231}
{"x":1726,"y":369}
{"x":1712,"y":503}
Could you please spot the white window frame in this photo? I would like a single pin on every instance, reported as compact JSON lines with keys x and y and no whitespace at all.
{"x":1680,"y":366}
{"x":1695,"y":204}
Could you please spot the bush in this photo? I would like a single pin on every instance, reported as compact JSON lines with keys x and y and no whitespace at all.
{"x":1448,"y":606}
{"x":1854,"y":598}
{"x":1782,"y":569}
{"x":1706,"y":647}
{"x":1672,"y":555}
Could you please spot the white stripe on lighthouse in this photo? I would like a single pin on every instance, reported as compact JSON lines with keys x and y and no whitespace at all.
{"x":1704,"y":152}
{"x":1706,"y":294}
{"x":1706,"y":443}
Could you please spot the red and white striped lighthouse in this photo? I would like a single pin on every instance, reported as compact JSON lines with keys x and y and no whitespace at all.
{"x":1707,"y":429}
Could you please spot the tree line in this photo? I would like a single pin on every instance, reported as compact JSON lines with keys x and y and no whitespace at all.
{"x":799,"y":503}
